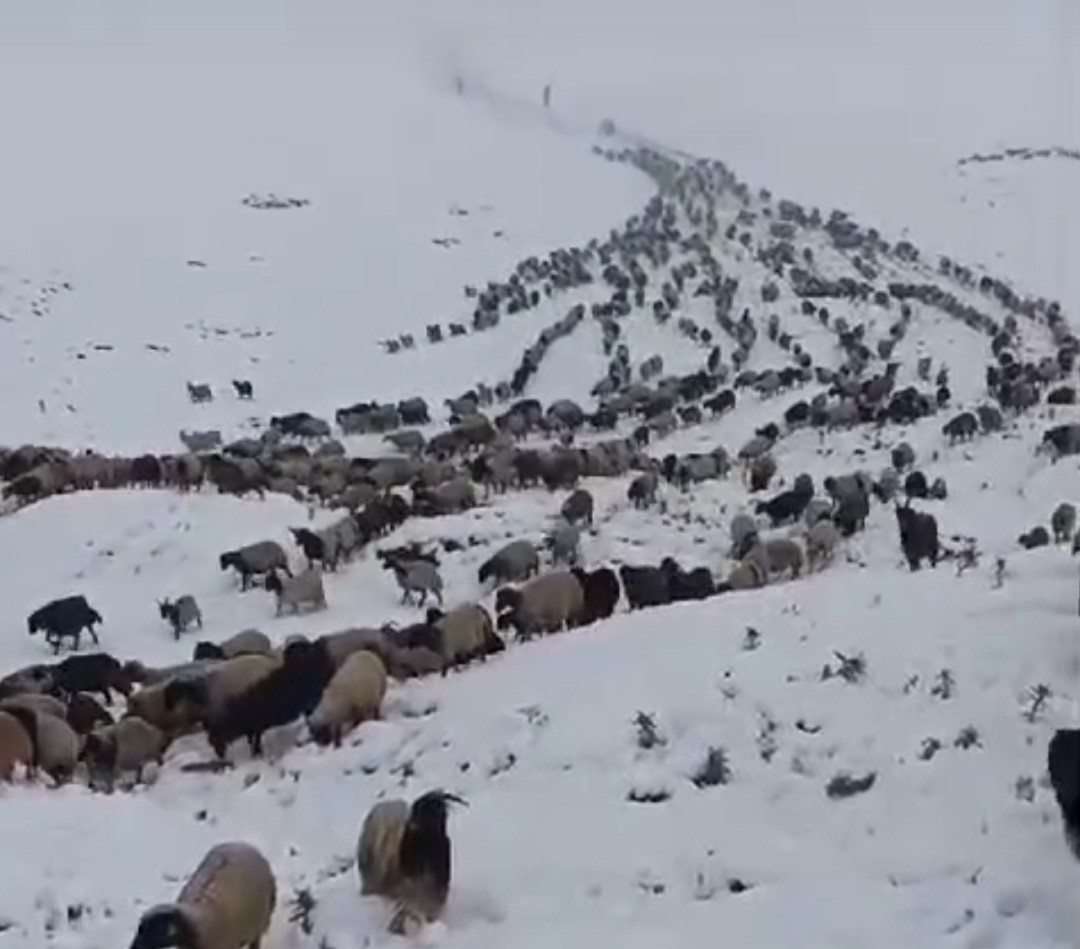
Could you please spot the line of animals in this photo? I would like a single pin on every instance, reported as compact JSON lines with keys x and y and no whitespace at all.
{"x":202,"y":392}
{"x":403,"y":856}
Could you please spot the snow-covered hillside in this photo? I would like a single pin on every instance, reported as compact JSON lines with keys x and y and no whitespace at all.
{"x":854,"y":757}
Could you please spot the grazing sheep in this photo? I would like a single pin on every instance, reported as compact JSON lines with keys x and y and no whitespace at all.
{"x":54,"y":742}
{"x":1034,"y":538}
{"x":1063,"y":762}
{"x":97,"y":672}
{"x":902,"y":456}
{"x":404,"y":855}
{"x":305,"y":589}
{"x":123,"y":748}
{"x":36,"y":702}
{"x":696,"y":584}
{"x":776,"y":555}
{"x":601,"y":588}
{"x":341,"y":645}
{"x":745,"y":575}
{"x":148,"y":704}
{"x":65,"y":618}
{"x":513,"y":563}
{"x":822,"y":539}
{"x":762,"y":469}
{"x":200,"y":392}
{"x":744,"y":535}
{"x":1063,"y":522}
{"x":962,"y":427}
{"x":918,"y":536}
{"x":642,"y":490}
{"x":417,"y":579}
{"x":255,"y":560}
{"x":352,"y":696}
{"x":916,"y":486}
{"x":578,"y":507}
{"x":15,"y":746}
{"x":644,"y":586}
{"x":84,"y":713}
{"x":787,"y":506}
{"x":227,"y":903}
{"x":200,"y":695}
{"x":851,"y":512}
{"x":244,"y":388}
{"x":464,"y":634}
{"x":564,"y":541}
{"x":546,"y":604}
{"x":287,"y":693}
{"x":247,"y":642}
{"x":181,"y":613}
{"x":199,"y":442}
{"x":816,"y":510}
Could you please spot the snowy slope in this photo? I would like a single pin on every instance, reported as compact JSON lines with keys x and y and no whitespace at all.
{"x":122,"y":226}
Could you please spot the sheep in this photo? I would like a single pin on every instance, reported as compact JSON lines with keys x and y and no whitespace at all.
{"x":546,"y":604}
{"x":246,"y":642}
{"x":149,"y":705}
{"x":642,"y":490}
{"x":305,"y":589}
{"x":340,"y":646}
{"x":918,"y":536}
{"x":352,"y":696}
{"x":787,"y":505}
{"x":36,"y":678}
{"x":696,"y":584}
{"x":84,"y":713}
{"x":761,"y":471}
{"x":227,"y":903}
{"x":564,"y":542}
{"x":1063,"y":763}
{"x":54,"y":742}
{"x":255,"y":560}
{"x":512,"y":563}
{"x":201,"y":695}
{"x":578,"y":507}
{"x":822,"y":539}
{"x":97,"y":672}
{"x":403,"y":854}
{"x":601,"y":589}
{"x":244,"y":389}
{"x":36,"y":702}
{"x":816,"y":510}
{"x":1063,"y":522}
{"x":125,"y":747}
{"x":1034,"y":538}
{"x":745,"y":575}
{"x":463,"y":634}
{"x":851,"y":512}
{"x":199,"y":442}
{"x":181,"y":613}
{"x":200,"y":392}
{"x":744,"y":534}
{"x":282,"y":696}
{"x":416,"y":578}
{"x":776,"y":555}
{"x":15,"y":746}
{"x":65,"y":618}
{"x":644,"y":586}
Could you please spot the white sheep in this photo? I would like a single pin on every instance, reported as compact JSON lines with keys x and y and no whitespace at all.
{"x":352,"y":696}
{"x":226,"y":904}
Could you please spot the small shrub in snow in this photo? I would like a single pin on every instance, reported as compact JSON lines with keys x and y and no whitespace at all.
{"x":930,"y":747}
{"x":1038,"y":696}
{"x":751,"y":640}
{"x":301,"y":906}
{"x":648,"y":733}
{"x":852,"y":669}
{"x":766,"y":737}
{"x":844,"y":785}
{"x":944,"y":685}
{"x":713,"y":770}
{"x":1025,"y":789}
{"x":969,"y":737}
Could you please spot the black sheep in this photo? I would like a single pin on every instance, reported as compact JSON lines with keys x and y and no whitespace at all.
{"x":85,"y":713}
{"x":1063,"y":760}
{"x":243,"y":388}
{"x":644,"y":586}
{"x":785,"y":507}
{"x":916,"y":486}
{"x":98,"y":672}
{"x":424,"y":851}
{"x":601,"y":588}
{"x":918,"y":536}
{"x":286,"y":694}
{"x":65,"y":618}
{"x":695,"y":585}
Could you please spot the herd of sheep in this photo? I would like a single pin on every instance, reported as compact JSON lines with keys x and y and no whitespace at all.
{"x":55,"y":719}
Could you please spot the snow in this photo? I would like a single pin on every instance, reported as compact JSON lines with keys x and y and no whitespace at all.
{"x":136,"y":137}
